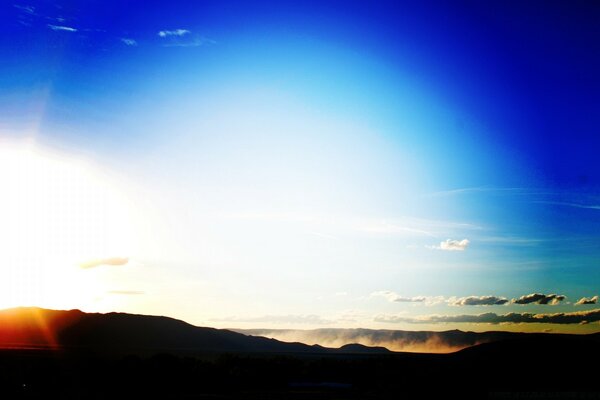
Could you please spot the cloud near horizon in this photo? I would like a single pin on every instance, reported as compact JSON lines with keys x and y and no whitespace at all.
{"x":105,"y":261}
{"x":577,"y":317}
{"x":587,"y":300}
{"x":539,"y":298}
{"x":478,"y":301}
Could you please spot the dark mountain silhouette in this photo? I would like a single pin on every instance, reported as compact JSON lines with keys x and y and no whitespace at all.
{"x":121,"y":332}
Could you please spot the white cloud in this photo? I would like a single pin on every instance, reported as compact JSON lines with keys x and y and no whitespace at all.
{"x":175,"y":32}
{"x":129,"y":42}
{"x":452,"y":245}
{"x":62,"y":28}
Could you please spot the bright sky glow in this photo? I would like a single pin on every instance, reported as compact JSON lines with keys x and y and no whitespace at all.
{"x":300,"y":167}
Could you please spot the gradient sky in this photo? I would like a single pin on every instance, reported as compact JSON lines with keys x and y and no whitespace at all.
{"x":305,"y":164}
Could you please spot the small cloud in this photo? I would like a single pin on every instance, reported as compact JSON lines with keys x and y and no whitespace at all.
{"x":587,"y":300}
{"x":452,"y":245}
{"x":104,"y":261}
{"x":126,"y":292}
{"x":539,"y":298}
{"x":129,"y":42}
{"x":479,"y":301}
{"x":62,"y":28}
{"x":175,"y":32}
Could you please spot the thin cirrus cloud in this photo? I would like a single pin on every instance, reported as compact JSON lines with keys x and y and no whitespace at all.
{"x":62,"y":28}
{"x":579,"y":317}
{"x":290,"y":319}
{"x":587,"y":300}
{"x":539,"y":298}
{"x":25,"y":9}
{"x":394,"y":297}
{"x":478,"y":301}
{"x":115,"y":261}
{"x":452,"y":245}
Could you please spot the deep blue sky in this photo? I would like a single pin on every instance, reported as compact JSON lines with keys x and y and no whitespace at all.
{"x":263,"y":129}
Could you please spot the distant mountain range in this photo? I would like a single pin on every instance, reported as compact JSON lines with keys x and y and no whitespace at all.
{"x":31,"y":327}
{"x":395,"y":340}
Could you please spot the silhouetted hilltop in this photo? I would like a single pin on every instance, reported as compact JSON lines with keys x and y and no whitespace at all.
{"x":360,"y":348}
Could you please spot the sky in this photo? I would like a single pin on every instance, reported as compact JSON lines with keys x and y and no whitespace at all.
{"x":425,"y":165}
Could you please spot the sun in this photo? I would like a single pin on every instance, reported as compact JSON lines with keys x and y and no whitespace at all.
{"x":56,"y":212}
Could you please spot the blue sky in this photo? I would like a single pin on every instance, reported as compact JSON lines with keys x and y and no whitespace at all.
{"x":302,"y":164}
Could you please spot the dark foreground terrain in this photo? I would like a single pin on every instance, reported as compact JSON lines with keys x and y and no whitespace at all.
{"x":87,"y":366}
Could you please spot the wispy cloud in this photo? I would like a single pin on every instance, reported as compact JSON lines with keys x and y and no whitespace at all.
{"x":129,"y":42}
{"x":126,"y":292}
{"x":574,"y":205}
{"x":587,"y":300}
{"x":174,"y":32}
{"x":452,"y":245}
{"x":511,"y":240}
{"x":396,"y":298}
{"x":478,"y":301}
{"x":183,"y":38}
{"x":62,"y":28}
{"x":26,"y":9}
{"x":105,"y":261}
{"x":478,"y":189}
{"x":539,"y":298}
{"x":578,"y":317}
